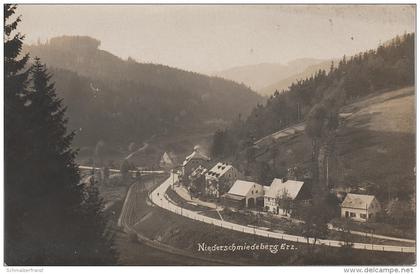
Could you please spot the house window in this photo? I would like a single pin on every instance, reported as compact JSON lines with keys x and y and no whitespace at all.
{"x":363,"y":216}
{"x":252,"y":192}
{"x":352,"y":214}
{"x":256,"y":191}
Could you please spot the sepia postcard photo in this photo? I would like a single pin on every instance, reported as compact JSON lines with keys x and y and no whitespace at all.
{"x":209,"y":135}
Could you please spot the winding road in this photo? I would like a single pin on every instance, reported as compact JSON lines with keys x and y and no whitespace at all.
{"x":159,"y":198}
{"x":127,"y":220}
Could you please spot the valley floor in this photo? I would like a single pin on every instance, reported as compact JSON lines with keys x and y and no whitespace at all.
{"x":153,"y":224}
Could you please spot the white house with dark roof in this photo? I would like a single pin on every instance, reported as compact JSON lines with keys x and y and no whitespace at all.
{"x":246,"y":192}
{"x":281,"y":188}
{"x":360,"y":207}
{"x":194,"y":160}
{"x":220,"y":178}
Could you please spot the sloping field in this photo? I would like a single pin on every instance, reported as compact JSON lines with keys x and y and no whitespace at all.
{"x":376,"y":143}
{"x":393,"y":111}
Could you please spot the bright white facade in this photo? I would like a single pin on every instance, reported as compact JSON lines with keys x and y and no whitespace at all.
{"x":249,"y":190}
{"x":277,"y":189}
{"x":360,"y":207}
{"x":220,"y":178}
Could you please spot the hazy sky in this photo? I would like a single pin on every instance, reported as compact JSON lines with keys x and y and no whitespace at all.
{"x":209,"y":38}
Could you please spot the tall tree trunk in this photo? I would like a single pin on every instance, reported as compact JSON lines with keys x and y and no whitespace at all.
{"x":318,"y":186}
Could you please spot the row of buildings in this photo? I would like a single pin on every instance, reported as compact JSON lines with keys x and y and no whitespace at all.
{"x":250,"y":194}
{"x":225,"y":182}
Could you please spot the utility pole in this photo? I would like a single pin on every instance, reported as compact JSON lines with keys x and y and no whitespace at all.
{"x":173,"y":179}
{"x":328,"y":181}
{"x":298,"y":111}
{"x":371,"y":239}
{"x":153,"y":175}
{"x":367,"y":215}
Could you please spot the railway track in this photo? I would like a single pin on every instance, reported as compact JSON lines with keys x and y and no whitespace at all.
{"x":128,"y":219}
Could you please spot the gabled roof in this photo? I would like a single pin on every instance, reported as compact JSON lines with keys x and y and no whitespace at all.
{"x":359,"y":201}
{"x":278,"y":187}
{"x":166,"y":159}
{"x":241,"y":187}
{"x":219,"y":169}
{"x":195,"y":155}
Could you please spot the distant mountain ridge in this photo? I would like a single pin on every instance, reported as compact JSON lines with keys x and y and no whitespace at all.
{"x":285,"y":83}
{"x":261,"y":76}
{"x":82,"y":54}
{"x":105,"y":93}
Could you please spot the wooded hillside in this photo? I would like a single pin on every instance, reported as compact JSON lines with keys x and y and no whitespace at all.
{"x":120,"y":101}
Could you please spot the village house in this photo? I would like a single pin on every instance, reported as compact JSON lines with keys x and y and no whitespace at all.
{"x":360,"y":207}
{"x":166,"y":161}
{"x":290,"y":190}
{"x":193,"y":161}
{"x":197,"y":181}
{"x":220,"y":178}
{"x":244,"y":194}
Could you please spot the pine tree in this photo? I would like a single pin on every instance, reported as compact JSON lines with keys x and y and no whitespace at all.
{"x":49,"y":218}
{"x":97,"y":239}
{"x":52,"y":196}
{"x":16,"y":138}
{"x":72,"y":227}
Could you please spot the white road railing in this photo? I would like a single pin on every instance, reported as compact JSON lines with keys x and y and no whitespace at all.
{"x":159,"y":199}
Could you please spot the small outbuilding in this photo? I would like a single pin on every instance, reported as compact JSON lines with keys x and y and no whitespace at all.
{"x":245,"y":193}
{"x":360,"y":207}
{"x":166,"y":161}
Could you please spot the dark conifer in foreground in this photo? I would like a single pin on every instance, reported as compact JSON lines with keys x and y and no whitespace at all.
{"x":16,"y":148}
{"x":67,"y":218}
{"x":53,"y":208}
{"x":50,"y":218}
{"x":97,"y":239}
